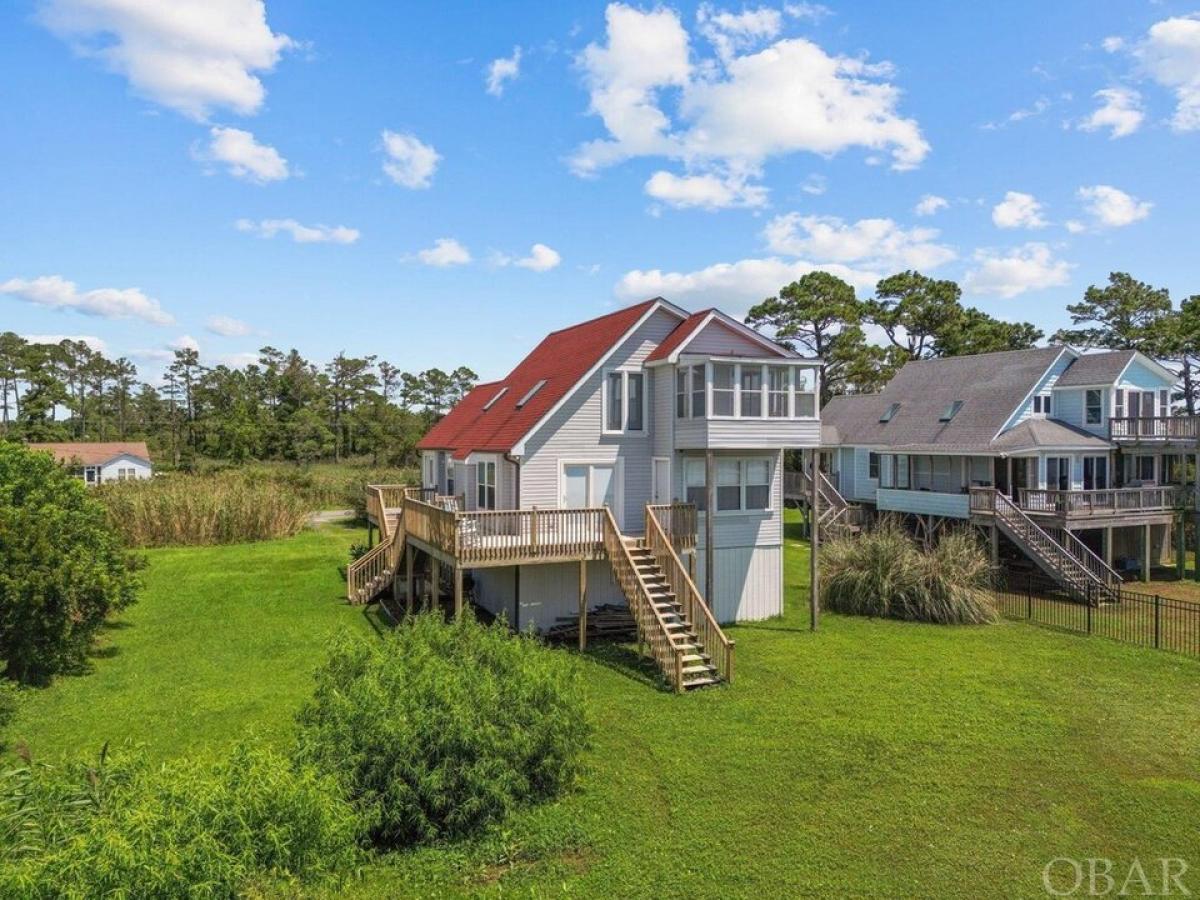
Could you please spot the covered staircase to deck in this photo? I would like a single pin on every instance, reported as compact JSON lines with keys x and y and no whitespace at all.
{"x":674,"y":623}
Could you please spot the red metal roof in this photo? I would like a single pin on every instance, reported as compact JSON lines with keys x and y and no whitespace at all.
{"x":681,"y":333}
{"x":561,"y":359}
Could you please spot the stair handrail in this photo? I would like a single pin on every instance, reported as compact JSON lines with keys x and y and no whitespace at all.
{"x":1083,"y":559}
{"x":652,"y":628}
{"x":384,"y":556}
{"x":697,"y":612}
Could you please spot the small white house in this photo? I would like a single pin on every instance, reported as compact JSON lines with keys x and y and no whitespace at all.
{"x":96,"y":462}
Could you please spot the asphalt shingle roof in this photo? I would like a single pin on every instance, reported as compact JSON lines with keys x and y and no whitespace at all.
{"x":1096,"y":368}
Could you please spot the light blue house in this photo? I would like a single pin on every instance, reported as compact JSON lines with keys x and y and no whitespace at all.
{"x":1048,"y":444}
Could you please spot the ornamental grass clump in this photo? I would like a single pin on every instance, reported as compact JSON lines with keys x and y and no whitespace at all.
{"x":440,"y":729}
{"x":885,"y":573}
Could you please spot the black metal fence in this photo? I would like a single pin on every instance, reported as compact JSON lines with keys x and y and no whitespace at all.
{"x":1148,"y":620}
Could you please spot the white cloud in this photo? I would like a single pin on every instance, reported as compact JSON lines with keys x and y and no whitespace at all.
{"x":705,"y":191}
{"x":1113,"y":43}
{"x":227,"y":326}
{"x":238,"y":360}
{"x":930,"y":204}
{"x":108,"y":303}
{"x":1040,"y":106}
{"x":733,"y":111}
{"x":1113,"y":208}
{"x":445,"y":252}
{"x":1120,"y":110}
{"x":1075,"y":226}
{"x":96,"y":344}
{"x":1029,"y":267}
{"x":815,"y":185}
{"x":1018,"y":210}
{"x":410,"y":163}
{"x":874,"y":243}
{"x":540,"y":259}
{"x":244,"y":156}
{"x":190,"y":55}
{"x":813,"y":12}
{"x":503,"y":70}
{"x":165,"y":353}
{"x":732,"y":286}
{"x":301,"y":234}
{"x":1170,"y":54}
{"x":185,"y":342}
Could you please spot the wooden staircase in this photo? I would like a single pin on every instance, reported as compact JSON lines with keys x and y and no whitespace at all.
{"x":1058,"y":553}
{"x":374,"y":572}
{"x":838,"y":517}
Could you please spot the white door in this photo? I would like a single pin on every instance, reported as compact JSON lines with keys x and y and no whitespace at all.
{"x":661,"y":492}
{"x":591,"y":485}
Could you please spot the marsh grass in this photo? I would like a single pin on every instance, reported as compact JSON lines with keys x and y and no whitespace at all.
{"x":885,"y":573}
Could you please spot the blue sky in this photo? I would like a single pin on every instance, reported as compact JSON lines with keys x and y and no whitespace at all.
{"x":230,"y":174}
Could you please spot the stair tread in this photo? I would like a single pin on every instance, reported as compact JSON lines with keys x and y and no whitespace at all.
{"x":701,"y":682}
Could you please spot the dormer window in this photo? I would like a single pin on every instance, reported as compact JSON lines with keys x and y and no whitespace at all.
{"x":529,"y":394}
{"x":500,"y":393}
{"x":1041,"y":405}
{"x":951,"y":411}
{"x":889,"y":413}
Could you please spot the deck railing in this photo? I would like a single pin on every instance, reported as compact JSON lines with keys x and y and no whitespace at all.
{"x":1163,"y":498}
{"x":496,"y":536}
{"x":678,"y":522}
{"x":651,"y":627}
{"x":1162,"y":428}
{"x":696,"y":612}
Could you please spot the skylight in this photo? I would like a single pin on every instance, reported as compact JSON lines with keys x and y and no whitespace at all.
{"x":889,"y":412}
{"x":529,"y":396}
{"x":951,"y":411}
{"x":500,"y":393}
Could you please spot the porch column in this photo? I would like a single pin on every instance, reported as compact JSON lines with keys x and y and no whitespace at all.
{"x":435,"y":587}
{"x":1012,"y":491}
{"x":458,"y":592}
{"x":995,"y":536}
{"x":409,"y":552}
{"x":1108,"y":546}
{"x":1180,"y":547}
{"x":1146,"y":552}
{"x":710,"y":509}
{"x":814,"y":600}
{"x":582,"y":605}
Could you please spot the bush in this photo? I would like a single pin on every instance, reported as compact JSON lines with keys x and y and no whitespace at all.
{"x":440,"y":729}
{"x":884,"y":573}
{"x":184,"y":829}
{"x":9,"y":698}
{"x":63,"y":569}
{"x":174,"y":510}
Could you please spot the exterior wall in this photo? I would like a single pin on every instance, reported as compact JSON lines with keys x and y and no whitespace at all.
{"x":1047,"y":382}
{"x":141,"y":469}
{"x":1068,"y":406}
{"x":718,"y":339}
{"x":933,"y":503}
{"x":662,"y":405}
{"x":1136,"y":375}
{"x":574,"y":433}
{"x":864,"y":485}
{"x":846,"y":472}
{"x":736,"y":434}
{"x":546,"y":592}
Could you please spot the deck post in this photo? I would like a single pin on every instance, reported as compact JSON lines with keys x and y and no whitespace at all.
{"x":1108,"y":546}
{"x":409,"y":552}
{"x":435,"y":583}
{"x":370,"y":536}
{"x":814,"y":504}
{"x":1146,"y":552}
{"x":710,"y":507}
{"x":995,"y":536}
{"x":583,"y":601}
{"x":458,"y":592}
{"x":1180,"y":547}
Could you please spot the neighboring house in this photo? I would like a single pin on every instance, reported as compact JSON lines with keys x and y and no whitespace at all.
{"x":98,"y":462}
{"x":1036,"y":445}
{"x":622,"y":413}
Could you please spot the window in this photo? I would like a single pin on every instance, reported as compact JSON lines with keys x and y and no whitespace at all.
{"x":1148,"y":404}
{"x":1092,"y":405}
{"x":485,"y":485}
{"x":779,"y":380}
{"x":1145,"y":468}
{"x":902,"y":470}
{"x":694,"y":483}
{"x":698,"y":392}
{"x":449,"y":479}
{"x":681,"y":393}
{"x":890,"y":412}
{"x":1058,"y":473}
{"x":951,"y":411}
{"x":729,"y":484}
{"x":873,"y":465}
{"x":1119,"y":400}
{"x":758,"y":484}
{"x":722,"y":389}
{"x":89,"y":475}
{"x":529,"y":394}
{"x":1041,"y":405}
{"x":624,"y":402}
{"x":500,"y":393}
{"x":887,"y":472}
{"x":1172,"y":472}
{"x":1164,"y":403}
{"x":922,"y":473}
{"x":806,"y":393}
{"x":124,"y":474}
{"x":751,"y":394}
{"x":1095,"y":473}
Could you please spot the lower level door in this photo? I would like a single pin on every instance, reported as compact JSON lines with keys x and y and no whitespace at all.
{"x":662,"y":480}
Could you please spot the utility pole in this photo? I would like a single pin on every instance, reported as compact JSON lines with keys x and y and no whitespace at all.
{"x":814,"y":533}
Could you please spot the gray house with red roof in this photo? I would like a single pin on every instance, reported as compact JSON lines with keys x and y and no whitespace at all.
{"x":624,"y":413}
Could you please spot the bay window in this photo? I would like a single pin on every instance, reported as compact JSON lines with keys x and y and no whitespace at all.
{"x":1058,"y":473}
{"x":699,"y":391}
{"x":806,"y":393}
{"x":779,"y":379}
{"x":723,"y":389}
{"x":751,"y":392}
{"x":681,"y":393}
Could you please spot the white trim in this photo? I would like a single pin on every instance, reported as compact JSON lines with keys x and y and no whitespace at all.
{"x":618,"y":467}
{"x":624,"y":431}
{"x":770,"y":458}
{"x":739,"y":328}
{"x":654,"y":461}
{"x":1008,"y":422}
{"x":1153,"y":363}
{"x":518,"y":449}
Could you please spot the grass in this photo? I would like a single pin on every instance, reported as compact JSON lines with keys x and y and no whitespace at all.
{"x":872,"y":757}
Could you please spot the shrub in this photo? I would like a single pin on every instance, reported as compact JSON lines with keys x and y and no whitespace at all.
{"x":184,"y":829}
{"x":884,"y":573}
{"x":9,"y":698}
{"x":63,"y":569}
{"x":202,"y":509}
{"x":440,"y":729}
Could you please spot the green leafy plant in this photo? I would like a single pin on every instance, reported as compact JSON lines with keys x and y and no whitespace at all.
{"x":63,"y":568}
{"x":885,"y":573}
{"x":440,"y":729}
{"x":184,"y":829}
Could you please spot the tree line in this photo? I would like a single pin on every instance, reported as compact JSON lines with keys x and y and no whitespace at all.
{"x":281,"y":407}
{"x":863,"y":342}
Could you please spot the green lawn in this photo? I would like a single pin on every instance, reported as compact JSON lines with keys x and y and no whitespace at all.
{"x":873,"y":757}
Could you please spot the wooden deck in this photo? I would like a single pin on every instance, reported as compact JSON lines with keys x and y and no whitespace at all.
{"x":1117,"y":507}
